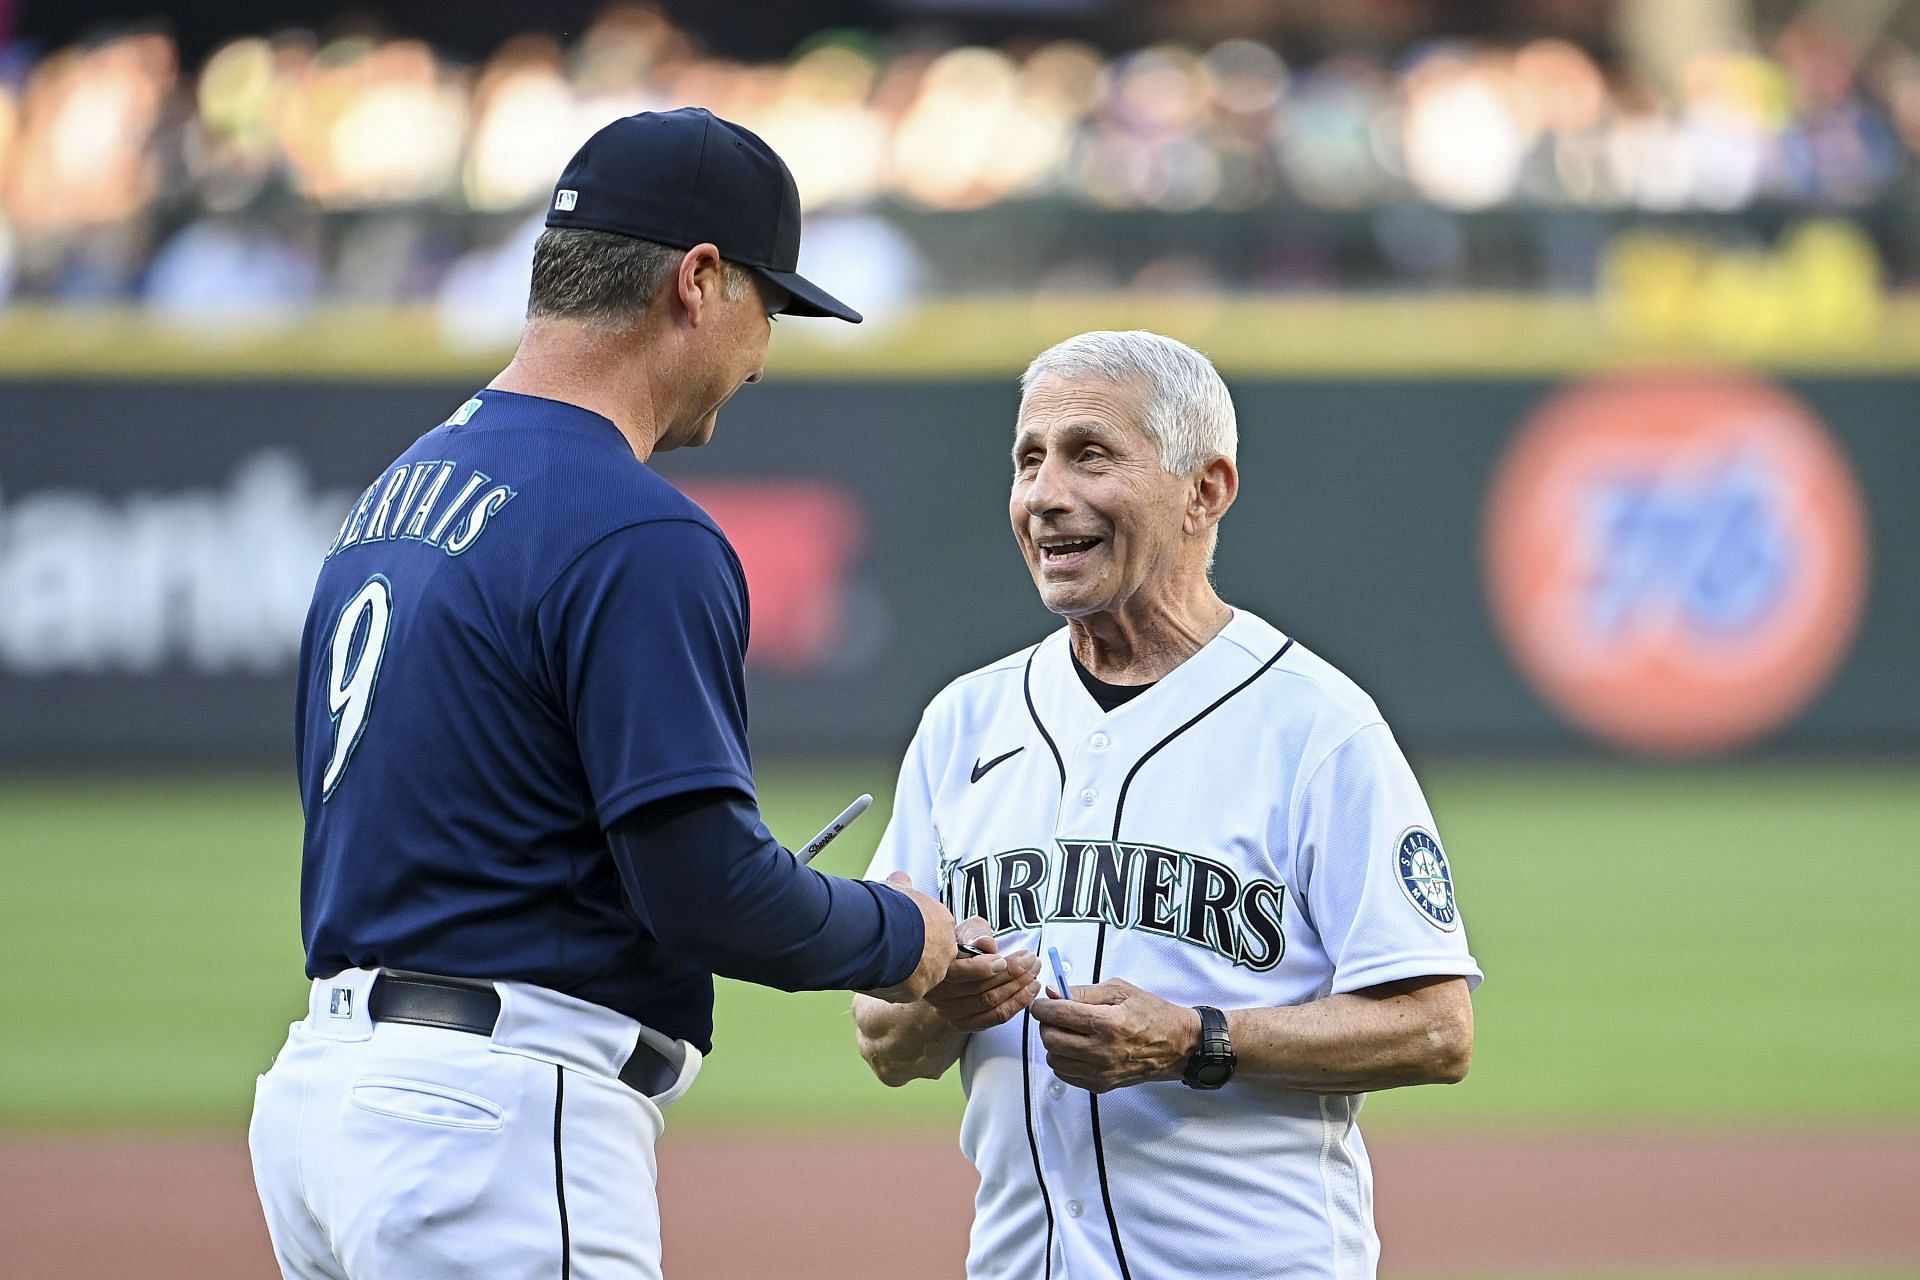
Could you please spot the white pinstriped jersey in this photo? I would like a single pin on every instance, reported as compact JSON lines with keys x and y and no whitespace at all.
{"x":1245,"y":833}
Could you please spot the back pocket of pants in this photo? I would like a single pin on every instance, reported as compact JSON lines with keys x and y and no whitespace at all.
{"x":426,"y":1102}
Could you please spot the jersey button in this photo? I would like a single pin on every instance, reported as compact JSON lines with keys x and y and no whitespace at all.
{"x":1099,"y":742}
{"x":1057,"y":1089}
{"x":1073,"y":1208}
{"x":1088,"y":795}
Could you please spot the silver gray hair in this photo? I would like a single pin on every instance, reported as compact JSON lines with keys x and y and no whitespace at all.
{"x":1186,"y":410}
{"x":607,"y":280}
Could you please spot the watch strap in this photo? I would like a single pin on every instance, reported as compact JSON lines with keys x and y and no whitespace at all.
{"x":1212,"y":1063}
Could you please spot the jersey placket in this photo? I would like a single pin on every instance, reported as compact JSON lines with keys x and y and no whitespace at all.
{"x":1095,"y":767}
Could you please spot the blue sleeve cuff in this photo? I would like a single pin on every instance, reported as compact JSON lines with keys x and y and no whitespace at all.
{"x":906,"y":932}
{"x":706,"y":880}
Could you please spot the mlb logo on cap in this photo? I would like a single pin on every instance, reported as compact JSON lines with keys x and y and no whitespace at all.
{"x":565,"y":200}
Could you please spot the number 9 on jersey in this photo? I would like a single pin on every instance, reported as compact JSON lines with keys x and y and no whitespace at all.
{"x":359,"y":643}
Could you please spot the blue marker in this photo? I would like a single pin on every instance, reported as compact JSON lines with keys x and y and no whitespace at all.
{"x":1059,"y":973}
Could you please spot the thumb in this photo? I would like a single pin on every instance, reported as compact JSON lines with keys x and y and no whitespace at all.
{"x":976,"y":933}
{"x":900,"y":880}
{"x":1110,"y":992}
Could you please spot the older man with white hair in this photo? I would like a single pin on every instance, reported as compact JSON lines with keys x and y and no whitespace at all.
{"x":1214,"y":839}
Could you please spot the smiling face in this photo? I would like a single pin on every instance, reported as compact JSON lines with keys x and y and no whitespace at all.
{"x":1103,"y":526}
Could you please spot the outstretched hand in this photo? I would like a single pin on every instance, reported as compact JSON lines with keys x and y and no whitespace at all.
{"x":1115,"y":1034}
{"x":986,"y":990}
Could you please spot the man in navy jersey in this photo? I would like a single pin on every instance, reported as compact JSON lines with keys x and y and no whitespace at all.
{"x":531,"y":833}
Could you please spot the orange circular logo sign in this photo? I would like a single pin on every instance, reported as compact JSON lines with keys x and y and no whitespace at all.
{"x":1677,"y":563}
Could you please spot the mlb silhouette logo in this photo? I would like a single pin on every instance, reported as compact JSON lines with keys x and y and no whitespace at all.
{"x":565,"y":200}
{"x":341,"y":1003}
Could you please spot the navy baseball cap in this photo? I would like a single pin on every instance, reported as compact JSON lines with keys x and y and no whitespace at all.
{"x":687,"y":177}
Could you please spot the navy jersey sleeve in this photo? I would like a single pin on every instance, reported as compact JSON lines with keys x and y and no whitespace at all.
{"x":709,"y":881}
{"x":645,"y":640}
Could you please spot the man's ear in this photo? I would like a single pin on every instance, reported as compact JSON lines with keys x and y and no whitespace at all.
{"x":1212,"y":491}
{"x":699,"y":280}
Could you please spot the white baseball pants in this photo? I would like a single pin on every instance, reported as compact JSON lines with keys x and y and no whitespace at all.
{"x":393,"y":1150}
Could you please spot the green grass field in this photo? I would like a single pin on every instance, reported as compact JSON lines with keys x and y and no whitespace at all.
{"x":1707,"y":947}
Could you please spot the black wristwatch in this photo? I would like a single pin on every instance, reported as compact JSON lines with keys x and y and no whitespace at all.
{"x":1212,"y":1063}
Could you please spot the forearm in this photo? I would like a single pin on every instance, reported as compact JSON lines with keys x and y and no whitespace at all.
{"x":1387,"y":1037}
{"x":710,"y":883}
{"x":903,"y":1042}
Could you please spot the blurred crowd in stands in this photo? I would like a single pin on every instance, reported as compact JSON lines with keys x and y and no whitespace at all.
{"x":288,"y":168}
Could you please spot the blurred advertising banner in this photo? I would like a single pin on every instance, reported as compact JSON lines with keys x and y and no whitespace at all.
{"x":1673,"y":564}
{"x":1678,"y":564}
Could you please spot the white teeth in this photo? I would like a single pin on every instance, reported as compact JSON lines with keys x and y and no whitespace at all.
{"x":1068,"y":548}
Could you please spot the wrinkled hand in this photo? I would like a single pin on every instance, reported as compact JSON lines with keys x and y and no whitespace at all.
{"x":1116,"y":1034}
{"x":985,"y":991}
{"x":936,"y":952}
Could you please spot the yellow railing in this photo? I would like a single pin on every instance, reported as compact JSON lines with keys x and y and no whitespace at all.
{"x":1449,"y":335}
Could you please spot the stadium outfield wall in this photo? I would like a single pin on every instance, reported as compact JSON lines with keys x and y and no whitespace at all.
{"x":1515,"y":539}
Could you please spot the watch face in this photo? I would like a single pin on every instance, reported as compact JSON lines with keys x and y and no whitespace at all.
{"x":1213,"y":1073}
{"x":1212,"y":1066}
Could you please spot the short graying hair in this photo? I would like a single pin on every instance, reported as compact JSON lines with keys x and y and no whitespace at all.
{"x":606,"y":280}
{"x":1186,"y":410}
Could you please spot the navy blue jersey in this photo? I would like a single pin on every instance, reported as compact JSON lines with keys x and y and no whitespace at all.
{"x":520,"y":635}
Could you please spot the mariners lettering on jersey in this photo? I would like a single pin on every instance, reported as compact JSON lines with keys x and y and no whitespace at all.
{"x":1176,"y":895}
{"x":407,"y":504}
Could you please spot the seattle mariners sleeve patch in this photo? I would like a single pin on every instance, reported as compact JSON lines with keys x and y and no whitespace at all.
{"x":1424,"y":876}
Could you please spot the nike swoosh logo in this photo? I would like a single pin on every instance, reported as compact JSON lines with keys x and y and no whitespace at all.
{"x":980,"y":770}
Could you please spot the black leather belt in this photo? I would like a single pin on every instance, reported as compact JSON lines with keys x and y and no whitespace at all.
{"x":466,"y":1004}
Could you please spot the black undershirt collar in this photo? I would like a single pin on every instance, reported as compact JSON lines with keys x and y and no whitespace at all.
{"x":1107,"y":695}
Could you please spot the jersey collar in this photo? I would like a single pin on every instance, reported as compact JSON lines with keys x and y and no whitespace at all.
{"x":1067,"y":710}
